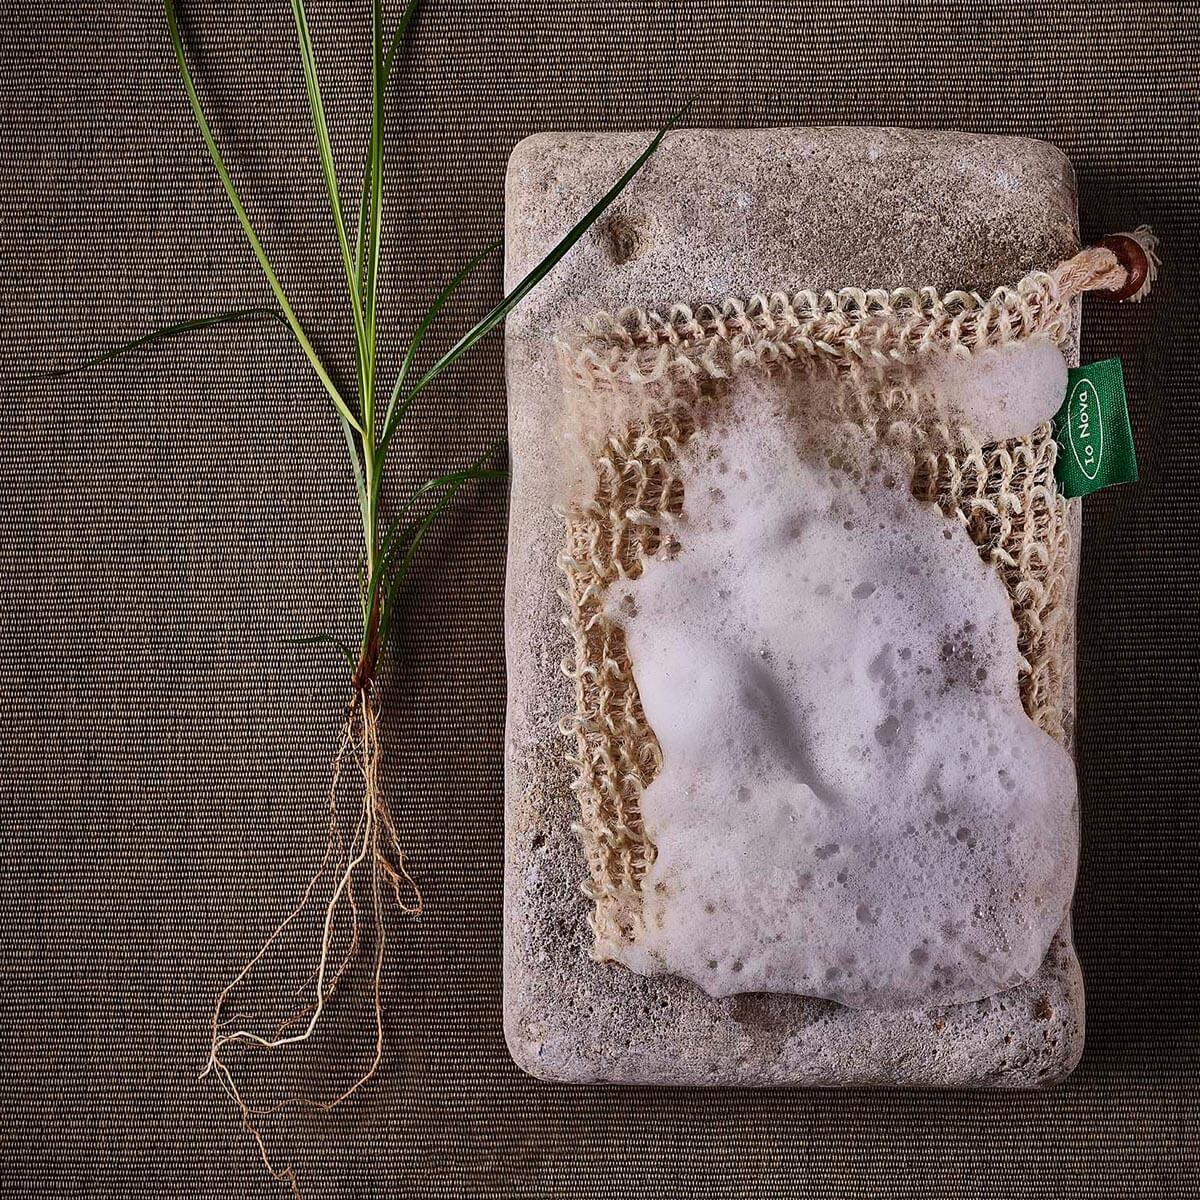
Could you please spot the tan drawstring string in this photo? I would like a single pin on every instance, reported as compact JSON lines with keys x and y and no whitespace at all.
{"x":1123,"y":266}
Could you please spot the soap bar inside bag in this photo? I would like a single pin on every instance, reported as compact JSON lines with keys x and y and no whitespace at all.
{"x":820,"y":600}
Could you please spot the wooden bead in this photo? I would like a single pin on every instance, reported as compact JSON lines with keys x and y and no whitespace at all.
{"x":1133,"y":258}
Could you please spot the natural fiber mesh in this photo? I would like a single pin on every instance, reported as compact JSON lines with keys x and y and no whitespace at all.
{"x":169,"y":520}
{"x":672,"y":371}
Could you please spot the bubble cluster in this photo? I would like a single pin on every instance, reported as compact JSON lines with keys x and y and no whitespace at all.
{"x":853,"y":803}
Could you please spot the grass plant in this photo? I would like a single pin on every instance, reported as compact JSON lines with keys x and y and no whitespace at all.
{"x":363,"y":861}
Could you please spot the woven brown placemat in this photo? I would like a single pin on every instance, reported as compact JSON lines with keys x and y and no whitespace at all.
{"x":168,"y":520}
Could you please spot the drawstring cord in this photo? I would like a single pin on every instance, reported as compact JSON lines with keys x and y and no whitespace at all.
{"x":1122,"y":267}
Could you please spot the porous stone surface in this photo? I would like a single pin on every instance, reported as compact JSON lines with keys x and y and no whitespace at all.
{"x":718,"y":213}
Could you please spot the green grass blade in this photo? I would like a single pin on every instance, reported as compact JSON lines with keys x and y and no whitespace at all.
{"x":325,"y":153}
{"x":412,"y":537}
{"x":360,"y":483}
{"x":325,"y":639}
{"x":484,"y":327}
{"x":365,"y":196}
{"x":374,"y":211}
{"x":394,"y":537}
{"x":214,"y":152}
{"x":410,"y":11}
{"x":159,"y":335}
{"x":397,"y":533}
{"x":364,"y":204}
{"x":431,"y":314}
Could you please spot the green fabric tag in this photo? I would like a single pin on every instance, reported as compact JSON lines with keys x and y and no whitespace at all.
{"x":1095,"y":442}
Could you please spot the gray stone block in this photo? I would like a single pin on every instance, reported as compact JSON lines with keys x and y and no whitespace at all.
{"x":716,"y":213}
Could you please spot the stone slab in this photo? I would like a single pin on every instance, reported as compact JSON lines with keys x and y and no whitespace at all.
{"x":714,"y":213}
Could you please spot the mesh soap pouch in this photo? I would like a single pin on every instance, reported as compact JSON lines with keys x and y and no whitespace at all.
{"x":820,"y":583}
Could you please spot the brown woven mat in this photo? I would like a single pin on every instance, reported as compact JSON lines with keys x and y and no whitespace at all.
{"x":169,"y":520}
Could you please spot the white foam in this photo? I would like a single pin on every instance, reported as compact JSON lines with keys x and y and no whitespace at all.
{"x":1003,"y":392}
{"x":853,"y":803}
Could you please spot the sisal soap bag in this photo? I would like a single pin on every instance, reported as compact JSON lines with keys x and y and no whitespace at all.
{"x":819,"y":585}
{"x":812,"y":814}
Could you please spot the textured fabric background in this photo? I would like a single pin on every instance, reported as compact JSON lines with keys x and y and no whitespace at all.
{"x":168,"y":520}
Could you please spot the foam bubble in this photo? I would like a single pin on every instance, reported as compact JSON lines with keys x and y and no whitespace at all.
{"x":1002,"y":392}
{"x":853,"y":803}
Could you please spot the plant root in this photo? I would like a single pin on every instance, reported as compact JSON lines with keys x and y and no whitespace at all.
{"x":361,"y":867}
